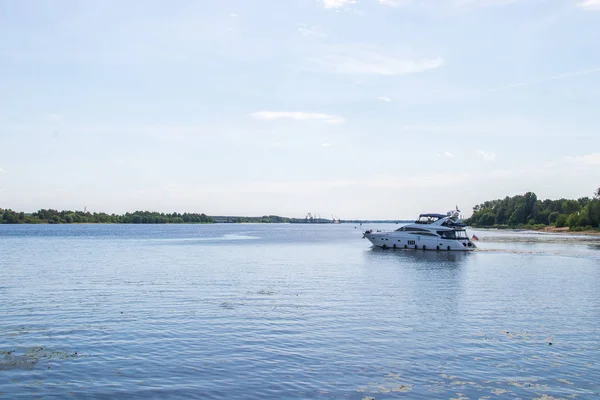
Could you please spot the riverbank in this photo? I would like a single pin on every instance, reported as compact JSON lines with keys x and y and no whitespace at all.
{"x":545,"y":229}
{"x":566,"y":229}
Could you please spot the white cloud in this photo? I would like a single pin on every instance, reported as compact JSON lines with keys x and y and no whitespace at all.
{"x":2,"y":170}
{"x":372,"y":182}
{"x":308,"y":31}
{"x":467,"y":129}
{"x":337,"y":3}
{"x":54,"y":117}
{"x":395,"y":3}
{"x":591,"y":5}
{"x":426,"y":128}
{"x":326,"y":145}
{"x":552,"y":78}
{"x":487,"y":155}
{"x":448,"y":154}
{"x":357,"y":60}
{"x":435,"y":180}
{"x":298,"y":116}
{"x":461,"y":4}
{"x":484,"y":3}
{"x":384,"y":98}
{"x":233,"y":15}
{"x":584,"y":160}
{"x":273,"y":187}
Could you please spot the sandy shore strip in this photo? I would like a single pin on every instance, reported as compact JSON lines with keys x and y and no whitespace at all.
{"x":548,"y":229}
{"x":567,"y":230}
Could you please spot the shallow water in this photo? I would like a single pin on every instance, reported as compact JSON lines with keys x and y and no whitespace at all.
{"x":294,"y":312}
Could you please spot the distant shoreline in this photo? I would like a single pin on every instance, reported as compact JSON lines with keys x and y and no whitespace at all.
{"x":258,"y":222}
{"x":50,"y":216}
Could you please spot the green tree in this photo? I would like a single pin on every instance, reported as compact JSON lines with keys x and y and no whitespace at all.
{"x":573,"y":220}
{"x":487,"y":219}
{"x":519,"y":216}
{"x":530,"y":200}
{"x":10,"y":217}
{"x":583,"y":201}
{"x":594,"y":212}
{"x":561,"y":221}
{"x":543,"y":217}
{"x":570,"y":206}
{"x":583,"y":218}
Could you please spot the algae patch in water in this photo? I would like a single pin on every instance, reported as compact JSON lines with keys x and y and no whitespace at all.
{"x":388,"y":386}
{"x":461,"y":396}
{"x":266,"y":292}
{"x":13,"y":359}
{"x":230,"y":306}
{"x":227,"y":306}
{"x":566,"y":382}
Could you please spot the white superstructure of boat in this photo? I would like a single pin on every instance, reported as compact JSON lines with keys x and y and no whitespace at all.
{"x":429,"y":232}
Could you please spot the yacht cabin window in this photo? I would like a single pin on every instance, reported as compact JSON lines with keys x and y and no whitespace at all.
{"x":456,"y":234}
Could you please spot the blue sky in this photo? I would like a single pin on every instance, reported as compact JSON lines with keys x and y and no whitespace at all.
{"x":361,"y":109}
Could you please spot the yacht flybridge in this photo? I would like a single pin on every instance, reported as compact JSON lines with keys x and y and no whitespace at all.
{"x":429,"y":232}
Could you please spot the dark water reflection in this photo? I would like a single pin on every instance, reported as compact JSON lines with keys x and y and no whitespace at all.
{"x":299,"y":312}
{"x":594,"y":247}
{"x":419,"y":257}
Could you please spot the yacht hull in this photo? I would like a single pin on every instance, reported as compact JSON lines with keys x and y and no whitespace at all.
{"x":394,"y":240}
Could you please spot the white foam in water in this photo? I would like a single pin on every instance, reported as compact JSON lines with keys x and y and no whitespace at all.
{"x":231,"y":236}
{"x":206,"y":239}
{"x":238,"y":237}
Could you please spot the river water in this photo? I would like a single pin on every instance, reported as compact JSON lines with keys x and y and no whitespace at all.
{"x":293,"y":312}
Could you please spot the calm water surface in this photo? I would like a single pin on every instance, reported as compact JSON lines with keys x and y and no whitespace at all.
{"x":293,"y":312}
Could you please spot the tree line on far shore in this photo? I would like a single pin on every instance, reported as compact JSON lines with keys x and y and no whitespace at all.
{"x":527,"y":211}
{"x":73,"y":217}
{"x":138,"y":217}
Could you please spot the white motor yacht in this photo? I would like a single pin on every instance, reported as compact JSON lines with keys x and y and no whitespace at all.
{"x":429,"y":232}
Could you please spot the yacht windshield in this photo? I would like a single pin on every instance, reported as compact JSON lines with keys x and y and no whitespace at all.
{"x":426,"y":220}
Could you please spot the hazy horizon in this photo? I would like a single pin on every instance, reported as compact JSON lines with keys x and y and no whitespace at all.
{"x":371,"y":109}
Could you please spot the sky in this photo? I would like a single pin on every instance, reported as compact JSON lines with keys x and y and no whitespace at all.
{"x":366,"y":109}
